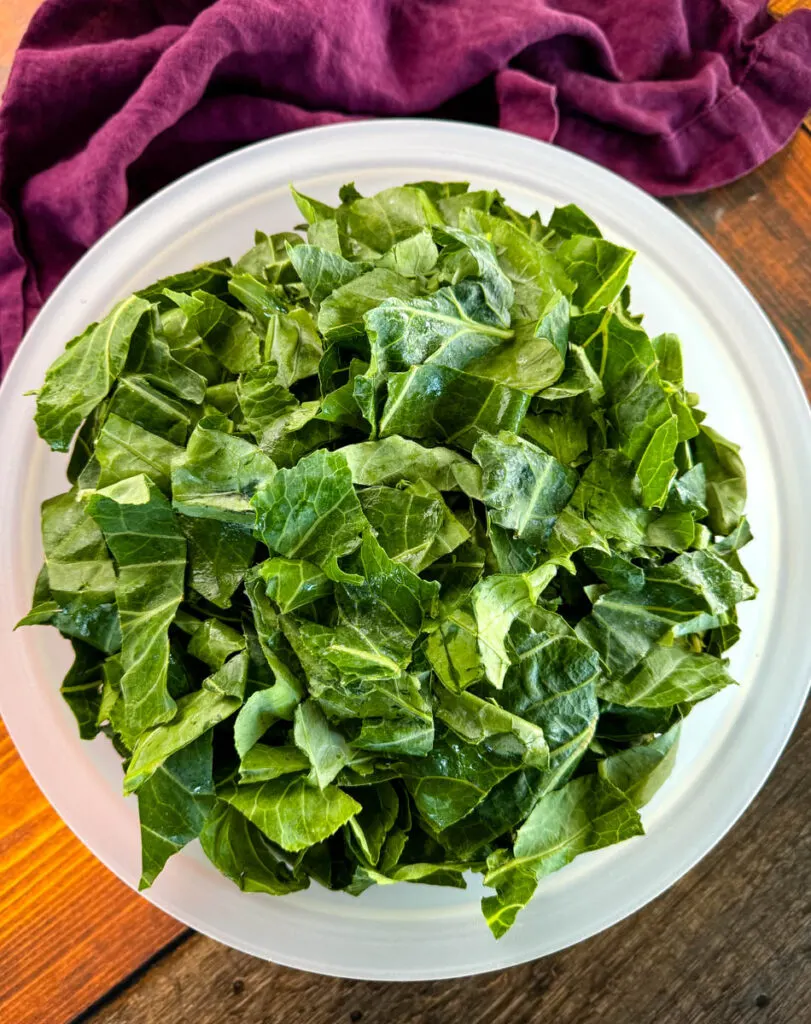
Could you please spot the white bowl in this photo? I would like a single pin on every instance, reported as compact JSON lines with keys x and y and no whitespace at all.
{"x":733,"y":358}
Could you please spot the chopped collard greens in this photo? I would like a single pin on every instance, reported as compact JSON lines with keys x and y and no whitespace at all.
{"x":394,"y":550}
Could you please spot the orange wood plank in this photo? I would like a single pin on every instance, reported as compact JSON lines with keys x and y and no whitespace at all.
{"x":69,"y":929}
{"x":14,"y":17}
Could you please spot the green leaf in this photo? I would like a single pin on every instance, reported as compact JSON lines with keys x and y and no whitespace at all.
{"x":657,"y":466}
{"x":668,"y":676}
{"x":449,"y":405}
{"x":123,"y":449}
{"x":81,"y":377}
{"x":395,"y":459}
{"x":726,"y":479}
{"x":534,"y":359}
{"x":269,"y":258}
{"x":262,"y":763}
{"x":405,"y":522}
{"x":598,"y":268}
{"x":175,"y":363}
{"x":82,"y":686}
{"x":197,"y":713}
{"x":481,"y":721}
{"x":326,"y":749}
{"x":341,"y":313}
{"x":219,"y":556}
{"x":311,"y":511}
{"x":571,"y":220}
{"x":640,"y":771}
{"x":453,"y":327}
{"x":500,"y":812}
{"x":586,"y":814}
{"x":135,"y":399}
{"x":535,"y":273}
{"x":293,"y":583}
{"x":214,"y":642}
{"x":322,"y":271}
{"x":294,"y":345}
{"x":551,"y":683}
{"x":76,"y":591}
{"x":227,"y":331}
{"x":453,"y":207}
{"x":313,"y":210}
{"x":173,"y":805}
{"x":412,"y":257}
{"x":524,"y":488}
{"x":208,"y":277}
{"x":497,"y":601}
{"x":260,"y":711}
{"x":626,"y":361}
{"x":624,"y":624}
{"x":379,"y":808}
{"x":380,"y":618}
{"x":452,"y":779}
{"x":379,"y":222}
{"x":218,"y":475}
{"x":150,"y":551}
{"x":466,"y":255}
{"x":290,"y":812}
{"x":453,"y":649}
{"x":608,"y":496}
{"x":296,"y":433}
{"x":262,"y":400}
{"x":562,"y":430}
{"x":242,"y":853}
{"x":261,"y":299}
{"x":413,"y":737}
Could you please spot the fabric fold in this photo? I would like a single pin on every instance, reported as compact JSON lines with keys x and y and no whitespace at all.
{"x":108,"y":102}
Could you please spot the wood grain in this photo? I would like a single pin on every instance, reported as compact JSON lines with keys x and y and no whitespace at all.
{"x":69,"y":929}
{"x":729,"y":944}
{"x":761,"y":226}
{"x":14,"y":17}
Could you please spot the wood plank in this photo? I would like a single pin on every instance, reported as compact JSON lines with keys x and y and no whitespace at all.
{"x":761,"y":225}
{"x":780,"y":8}
{"x":729,"y":944}
{"x":69,"y":929}
{"x":14,"y":18}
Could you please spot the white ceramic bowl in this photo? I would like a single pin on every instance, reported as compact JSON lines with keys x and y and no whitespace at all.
{"x":733,"y":358}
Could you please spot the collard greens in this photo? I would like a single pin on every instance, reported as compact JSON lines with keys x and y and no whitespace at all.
{"x":392,"y":553}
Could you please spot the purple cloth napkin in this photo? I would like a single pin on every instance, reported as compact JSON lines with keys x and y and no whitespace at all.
{"x":109,"y":101}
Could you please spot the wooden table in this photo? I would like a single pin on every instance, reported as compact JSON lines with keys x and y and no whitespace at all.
{"x":729,"y":944}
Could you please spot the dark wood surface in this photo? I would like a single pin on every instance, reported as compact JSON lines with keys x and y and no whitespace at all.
{"x":730,"y":943}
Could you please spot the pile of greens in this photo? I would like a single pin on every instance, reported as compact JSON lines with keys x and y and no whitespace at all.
{"x":391,"y":554}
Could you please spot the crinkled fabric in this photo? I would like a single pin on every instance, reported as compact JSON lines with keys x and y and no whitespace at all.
{"x":108,"y":102}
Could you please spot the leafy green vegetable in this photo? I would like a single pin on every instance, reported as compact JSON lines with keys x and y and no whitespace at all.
{"x":444,"y":404}
{"x":524,"y":488}
{"x":81,"y":377}
{"x":173,"y":805}
{"x":150,"y":552}
{"x":311,"y":512}
{"x":243,"y":853}
{"x":292,"y":813}
{"x":218,"y":474}
{"x":392,"y":554}
{"x":584,"y":815}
